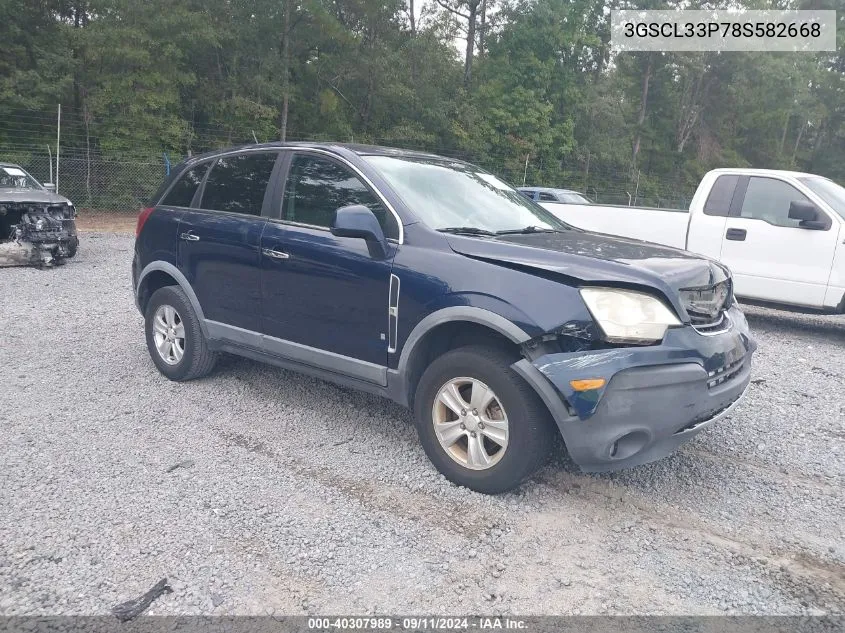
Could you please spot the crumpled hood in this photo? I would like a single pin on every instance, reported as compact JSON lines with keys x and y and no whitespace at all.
{"x":597,"y":258}
{"x":37,"y":196}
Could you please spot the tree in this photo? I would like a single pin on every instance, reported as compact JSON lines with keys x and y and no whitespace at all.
{"x":536,"y":83}
{"x":467,"y":10}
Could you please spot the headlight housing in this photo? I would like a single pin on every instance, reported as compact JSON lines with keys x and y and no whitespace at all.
{"x":627,"y":316}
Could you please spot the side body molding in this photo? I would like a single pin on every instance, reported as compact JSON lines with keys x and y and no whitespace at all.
{"x":397,"y":379}
{"x":170,"y":269}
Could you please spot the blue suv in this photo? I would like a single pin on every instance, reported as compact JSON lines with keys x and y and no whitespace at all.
{"x":433,"y":283}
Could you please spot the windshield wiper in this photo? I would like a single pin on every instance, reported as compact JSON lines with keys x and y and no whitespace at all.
{"x":527,"y":229}
{"x":468,"y":230}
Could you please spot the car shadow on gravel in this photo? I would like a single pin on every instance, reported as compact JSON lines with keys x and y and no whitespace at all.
{"x":230,"y":366}
{"x":233,"y":366}
{"x":830,"y":328}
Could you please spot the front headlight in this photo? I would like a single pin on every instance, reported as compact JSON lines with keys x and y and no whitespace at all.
{"x":626,"y":316}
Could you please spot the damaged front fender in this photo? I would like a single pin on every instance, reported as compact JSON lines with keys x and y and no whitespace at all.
{"x":652,"y":398}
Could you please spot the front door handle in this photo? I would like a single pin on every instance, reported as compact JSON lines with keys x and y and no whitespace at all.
{"x":736,"y":235}
{"x":189,"y":237}
{"x":269,"y":252}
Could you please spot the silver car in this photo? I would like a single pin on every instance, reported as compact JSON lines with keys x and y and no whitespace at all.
{"x":547,"y":194}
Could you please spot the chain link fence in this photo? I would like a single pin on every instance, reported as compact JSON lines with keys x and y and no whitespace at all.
{"x":96,"y":184}
{"x":99,"y":184}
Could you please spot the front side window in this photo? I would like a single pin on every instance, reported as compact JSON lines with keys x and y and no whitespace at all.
{"x":183,"y":190}
{"x":317,"y":187}
{"x":768,"y":199}
{"x":13,"y":177}
{"x":448,"y":195}
{"x":828,"y":191}
{"x":238,"y":183}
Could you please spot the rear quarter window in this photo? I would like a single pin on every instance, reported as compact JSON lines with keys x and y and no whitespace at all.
{"x":183,"y":190}
{"x":721,"y":195}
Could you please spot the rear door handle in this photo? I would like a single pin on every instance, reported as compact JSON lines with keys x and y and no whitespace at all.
{"x":736,"y":235}
{"x":189,"y":237}
{"x":269,"y":252}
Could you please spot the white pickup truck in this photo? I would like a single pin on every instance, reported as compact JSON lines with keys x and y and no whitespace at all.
{"x":781,"y":233}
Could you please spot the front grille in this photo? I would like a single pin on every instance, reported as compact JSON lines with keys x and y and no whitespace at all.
{"x":719,"y":325}
{"x":706,"y":306}
{"x":705,"y":417}
{"x":724,"y":373}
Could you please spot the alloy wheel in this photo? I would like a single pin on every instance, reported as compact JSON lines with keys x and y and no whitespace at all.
{"x":470,"y":423}
{"x":169,"y":334}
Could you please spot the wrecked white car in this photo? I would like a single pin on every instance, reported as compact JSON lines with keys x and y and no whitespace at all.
{"x":37,"y":226}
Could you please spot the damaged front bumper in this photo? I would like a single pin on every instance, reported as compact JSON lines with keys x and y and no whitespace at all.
{"x":654,"y":398}
{"x":37,"y":234}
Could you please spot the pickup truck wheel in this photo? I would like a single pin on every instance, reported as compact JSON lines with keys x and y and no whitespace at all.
{"x":174,"y":338}
{"x":480,"y":424}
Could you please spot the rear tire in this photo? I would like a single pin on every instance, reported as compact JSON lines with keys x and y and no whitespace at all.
{"x":174,"y":337}
{"x":504,"y":431}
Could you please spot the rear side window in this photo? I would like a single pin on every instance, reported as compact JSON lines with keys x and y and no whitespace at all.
{"x":317,"y":187}
{"x":238,"y":183}
{"x":721,"y":195}
{"x":547,"y":197}
{"x":183,"y":190}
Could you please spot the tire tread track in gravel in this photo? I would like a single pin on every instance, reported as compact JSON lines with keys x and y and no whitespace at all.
{"x":303,"y":497}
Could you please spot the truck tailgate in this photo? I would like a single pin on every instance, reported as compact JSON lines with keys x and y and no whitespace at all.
{"x":663,"y":226}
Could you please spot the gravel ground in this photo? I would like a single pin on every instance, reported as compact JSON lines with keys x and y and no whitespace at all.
{"x":294,"y":496}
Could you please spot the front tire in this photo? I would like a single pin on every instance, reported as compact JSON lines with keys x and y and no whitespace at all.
{"x":479,"y":422}
{"x":72,"y":247}
{"x":174,"y":338}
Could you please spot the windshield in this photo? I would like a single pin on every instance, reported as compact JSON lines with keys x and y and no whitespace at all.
{"x":828,"y":191}
{"x":451,"y":195}
{"x":16,"y":178}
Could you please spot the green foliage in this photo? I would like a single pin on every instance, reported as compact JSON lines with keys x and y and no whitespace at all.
{"x":548,"y":100}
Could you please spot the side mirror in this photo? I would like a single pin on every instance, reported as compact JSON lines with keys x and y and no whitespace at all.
{"x":50,"y":186}
{"x":358,"y":221}
{"x":808,"y":215}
